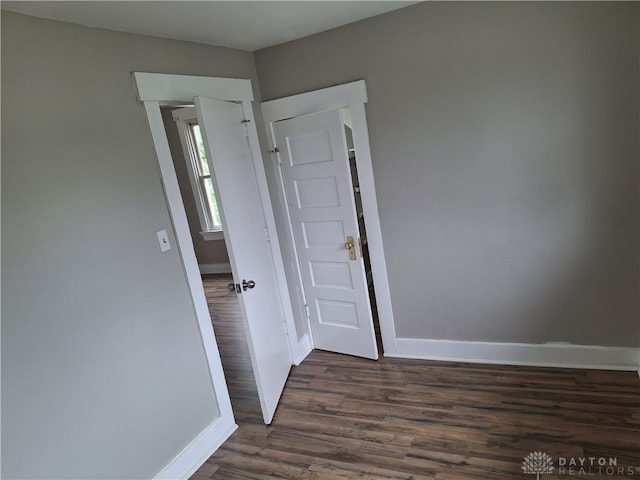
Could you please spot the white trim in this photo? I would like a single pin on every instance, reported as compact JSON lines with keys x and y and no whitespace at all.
{"x":213,"y":235}
{"x":301,"y":350}
{"x":183,"y":119}
{"x":331,"y":98}
{"x":194,"y":455}
{"x":185,"y":114}
{"x":208,"y":268}
{"x":190,"y":159}
{"x":171,"y":89}
{"x":354,"y":96}
{"x":366,"y":181}
{"x":184,"y":244}
{"x":162,"y":87}
{"x":542,"y":355}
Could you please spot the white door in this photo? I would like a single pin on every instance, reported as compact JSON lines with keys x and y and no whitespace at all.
{"x":229,"y":156}
{"x":317,"y":181}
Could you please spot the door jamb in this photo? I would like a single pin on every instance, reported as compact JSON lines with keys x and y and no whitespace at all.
{"x":354,"y":96}
{"x":153,"y":90}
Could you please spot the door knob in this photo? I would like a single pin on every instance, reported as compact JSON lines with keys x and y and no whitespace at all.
{"x":250,"y":284}
{"x":351,"y":246}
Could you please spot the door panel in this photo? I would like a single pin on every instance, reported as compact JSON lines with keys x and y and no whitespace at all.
{"x":317,"y":182}
{"x":235,"y":182}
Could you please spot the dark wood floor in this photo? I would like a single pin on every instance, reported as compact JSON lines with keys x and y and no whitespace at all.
{"x":342,"y":417}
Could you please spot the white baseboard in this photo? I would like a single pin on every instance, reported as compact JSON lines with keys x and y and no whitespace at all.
{"x":543,"y":355}
{"x":301,"y":350}
{"x":198,"y":451}
{"x":215,"y":268}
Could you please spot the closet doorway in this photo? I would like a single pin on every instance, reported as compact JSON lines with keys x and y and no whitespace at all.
{"x":318,"y":177}
{"x":308,"y":132}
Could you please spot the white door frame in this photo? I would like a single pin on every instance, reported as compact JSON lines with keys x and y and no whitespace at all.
{"x":354,"y":96}
{"x":153,"y":90}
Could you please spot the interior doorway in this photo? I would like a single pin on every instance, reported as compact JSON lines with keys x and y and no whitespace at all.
{"x":225,"y":113}
{"x":216,"y":142}
{"x":316,"y":162}
{"x":232,"y":141}
{"x":201,"y":209}
{"x":349,"y":98}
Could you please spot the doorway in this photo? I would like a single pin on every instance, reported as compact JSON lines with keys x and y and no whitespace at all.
{"x":207,"y":233}
{"x":155,"y":90}
{"x":225,"y":116}
{"x":348,"y":99}
{"x":320,"y":185}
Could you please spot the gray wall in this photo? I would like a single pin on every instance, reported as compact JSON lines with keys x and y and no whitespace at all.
{"x":505,"y":150}
{"x":103,"y":370}
{"x":207,"y":251}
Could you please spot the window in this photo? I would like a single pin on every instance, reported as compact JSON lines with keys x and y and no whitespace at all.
{"x":199,"y":173}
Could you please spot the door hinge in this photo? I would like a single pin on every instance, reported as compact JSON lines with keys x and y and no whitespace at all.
{"x":267,"y":234}
{"x":285,"y":328}
{"x":245,"y":124}
{"x":307,"y":311}
{"x":276,"y":153}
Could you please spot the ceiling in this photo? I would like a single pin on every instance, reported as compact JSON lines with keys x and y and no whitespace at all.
{"x":247,"y":25}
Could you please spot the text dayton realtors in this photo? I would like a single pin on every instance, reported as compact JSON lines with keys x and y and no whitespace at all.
{"x":592,"y":466}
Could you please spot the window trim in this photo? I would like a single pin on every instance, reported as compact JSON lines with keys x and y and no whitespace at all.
{"x":212,"y":234}
{"x":184,"y":119}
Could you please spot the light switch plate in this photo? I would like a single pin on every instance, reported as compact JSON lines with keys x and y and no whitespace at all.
{"x":163,"y":239}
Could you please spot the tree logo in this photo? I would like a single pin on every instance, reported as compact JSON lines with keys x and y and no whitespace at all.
{"x":537,"y":463}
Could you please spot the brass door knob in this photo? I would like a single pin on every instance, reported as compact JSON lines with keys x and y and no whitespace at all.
{"x":351,"y":246}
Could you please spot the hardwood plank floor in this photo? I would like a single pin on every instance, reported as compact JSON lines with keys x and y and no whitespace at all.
{"x":342,"y":417}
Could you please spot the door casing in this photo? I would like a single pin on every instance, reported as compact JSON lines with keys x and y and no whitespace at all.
{"x":154,"y":90}
{"x":354,"y":97}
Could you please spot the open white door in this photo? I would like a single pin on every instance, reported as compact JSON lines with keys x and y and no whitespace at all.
{"x":229,"y":156}
{"x":317,"y":181}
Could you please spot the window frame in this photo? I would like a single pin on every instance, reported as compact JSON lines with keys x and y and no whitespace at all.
{"x":185,"y":118}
